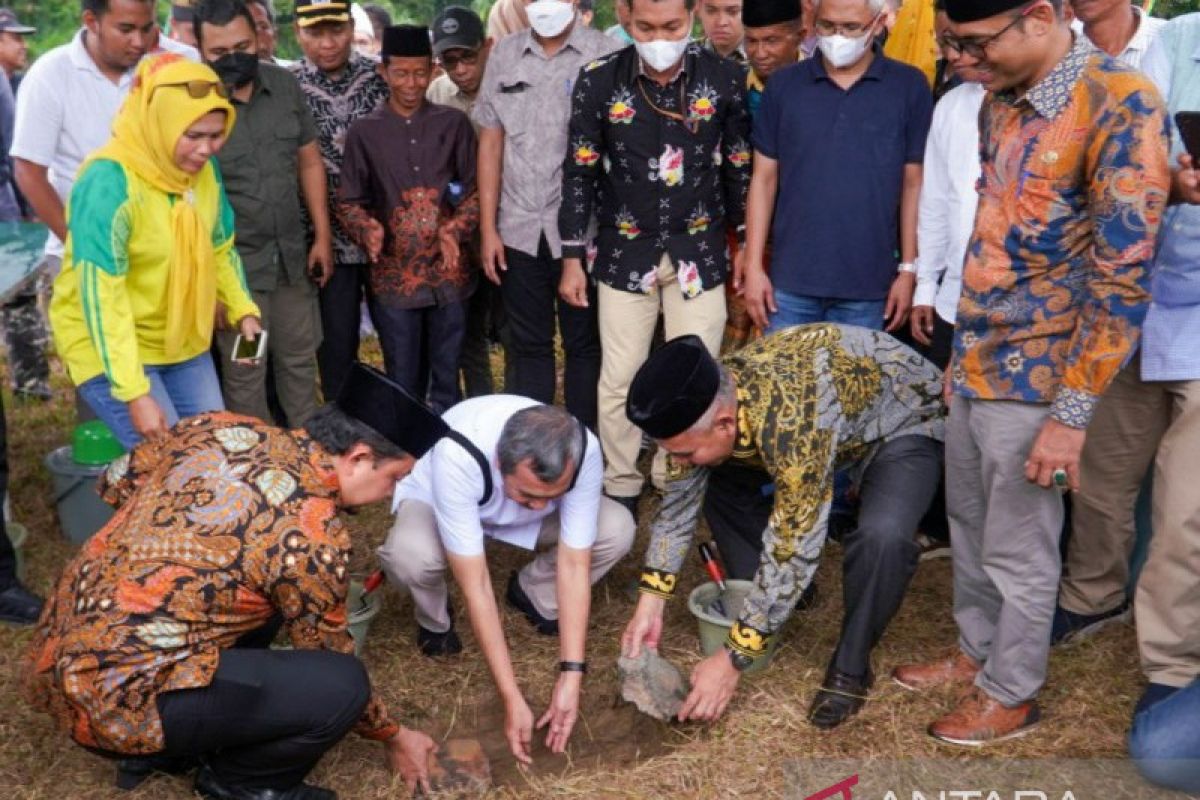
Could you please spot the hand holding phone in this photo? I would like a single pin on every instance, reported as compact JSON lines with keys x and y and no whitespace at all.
{"x":249,"y":352}
{"x":1185,"y":181}
{"x":1188,"y":123}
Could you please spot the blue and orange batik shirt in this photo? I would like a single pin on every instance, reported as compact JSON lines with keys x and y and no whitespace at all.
{"x":1055,"y":283}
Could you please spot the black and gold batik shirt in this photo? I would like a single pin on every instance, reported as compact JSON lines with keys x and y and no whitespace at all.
{"x":812,"y":400}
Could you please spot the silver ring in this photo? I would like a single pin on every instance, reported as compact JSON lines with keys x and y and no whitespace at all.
{"x":1060,"y":478}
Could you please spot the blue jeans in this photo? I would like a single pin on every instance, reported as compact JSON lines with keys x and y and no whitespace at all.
{"x":181,"y":390}
{"x":799,"y":309}
{"x":1165,"y":740}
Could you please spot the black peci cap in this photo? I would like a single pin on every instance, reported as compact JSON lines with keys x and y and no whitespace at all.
{"x":386,"y":407}
{"x":674,"y":388}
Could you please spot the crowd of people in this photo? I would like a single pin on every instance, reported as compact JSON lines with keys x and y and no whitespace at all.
{"x":942,"y":304}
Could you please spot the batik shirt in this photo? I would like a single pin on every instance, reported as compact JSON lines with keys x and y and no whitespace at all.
{"x":666,"y":180}
{"x":219,"y":527}
{"x":811,"y":400}
{"x":335,"y":103}
{"x":416,"y":177}
{"x":1055,"y":283}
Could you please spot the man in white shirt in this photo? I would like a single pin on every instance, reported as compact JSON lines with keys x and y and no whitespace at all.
{"x":529,"y":475}
{"x":1118,"y":27}
{"x":65,"y":109}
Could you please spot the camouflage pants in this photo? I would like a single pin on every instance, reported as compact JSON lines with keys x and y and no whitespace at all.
{"x":26,"y":335}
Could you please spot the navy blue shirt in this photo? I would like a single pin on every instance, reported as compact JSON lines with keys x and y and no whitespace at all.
{"x":841,"y":161}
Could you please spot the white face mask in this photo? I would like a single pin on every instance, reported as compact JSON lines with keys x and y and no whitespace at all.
{"x":843,"y":51}
{"x":549,"y":18}
{"x":662,"y":54}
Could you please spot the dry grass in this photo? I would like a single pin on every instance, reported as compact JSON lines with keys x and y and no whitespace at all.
{"x":1086,"y":702}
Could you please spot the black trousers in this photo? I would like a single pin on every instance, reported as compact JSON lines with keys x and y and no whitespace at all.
{"x":880,"y":555}
{"x":269,"y":715}
{"x":421,"y":348}
{"x":341,"y":315}
{"x":530,"y":291}
{"x":8,"y":557}
{"x":936,"y":524}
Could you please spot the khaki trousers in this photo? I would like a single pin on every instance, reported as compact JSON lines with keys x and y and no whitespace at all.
{"x":1167,"y":600}
{"x":413,"y":556}
{"x":1121,"y":439}
{"x":627,"y":322}
{"x":291,"y":318}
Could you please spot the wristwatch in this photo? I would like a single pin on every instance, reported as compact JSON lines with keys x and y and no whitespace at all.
{"x":741,"y":662}
{"x":908,"y":267}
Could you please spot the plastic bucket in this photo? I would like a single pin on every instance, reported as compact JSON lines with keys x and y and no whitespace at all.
{"x":18,"y":534}
{"x":359,"y":616}
{"x":714,"y":627}
{"x":81,"y":512}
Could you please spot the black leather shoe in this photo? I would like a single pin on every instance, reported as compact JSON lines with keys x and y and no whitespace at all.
{"x":630,"y":503}
{"x":808,"y":599}
{"x":439,"y":644}
{"x":517,"y":598}
{"x":208,"y":785}
{"x":19,"y":606}
{"x":132,"y":772}
{"x":839,"y":698}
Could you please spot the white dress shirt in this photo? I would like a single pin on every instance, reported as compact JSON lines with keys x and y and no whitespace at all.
{"x":946,"y":217}
{"x":449,"y":480}
{"x":1147,"y":31}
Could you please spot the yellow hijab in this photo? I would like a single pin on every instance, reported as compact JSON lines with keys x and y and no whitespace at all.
{"x":145,"y":133}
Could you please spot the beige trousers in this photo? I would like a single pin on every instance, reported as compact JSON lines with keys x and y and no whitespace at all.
{"x":1119,"y":448}
{"x":1167,"y":601}
{"x":413,"y":556}
{"x":627,"y":322}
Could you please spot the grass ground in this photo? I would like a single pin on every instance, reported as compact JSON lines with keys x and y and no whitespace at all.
{"x":614,"y":753}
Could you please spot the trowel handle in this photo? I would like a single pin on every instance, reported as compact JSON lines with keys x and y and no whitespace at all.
{"x":373,"y":582}
{"x":712,"y":565}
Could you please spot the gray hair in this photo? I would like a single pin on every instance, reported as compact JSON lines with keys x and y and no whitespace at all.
{"x":874,"y":6}
{"x":546,"y":436}
{"x":726,"y":397}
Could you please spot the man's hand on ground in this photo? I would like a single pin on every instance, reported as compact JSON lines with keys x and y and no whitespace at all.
{"x":714,"y":680}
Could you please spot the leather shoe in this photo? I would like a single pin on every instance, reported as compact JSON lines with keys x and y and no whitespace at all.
{"x":630,"y":503}
{"x":839,"y":698}
{"x":132,"y":772}
{"x":439,"y":644}
{"x":982,"y":719}
{"x":957,"y":669}
{"x":19,"y":606}
{"x":208,"y":785}
{"x":517,"y":598}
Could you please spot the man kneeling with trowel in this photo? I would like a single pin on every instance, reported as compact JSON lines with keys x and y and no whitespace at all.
{"x":792,"y":408}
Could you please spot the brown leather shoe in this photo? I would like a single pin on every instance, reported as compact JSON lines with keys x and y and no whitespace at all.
{"x":958,"y":668}
{"x":981,"y":719}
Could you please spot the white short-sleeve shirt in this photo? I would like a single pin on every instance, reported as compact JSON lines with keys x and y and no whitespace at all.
{"x":65,"y":111}
{"x":448,"y":478}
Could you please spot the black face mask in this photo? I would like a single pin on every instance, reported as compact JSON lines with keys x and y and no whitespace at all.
{"x":236,"y":69}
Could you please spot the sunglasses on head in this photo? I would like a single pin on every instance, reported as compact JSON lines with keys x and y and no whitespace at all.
{"x":198,"y":90}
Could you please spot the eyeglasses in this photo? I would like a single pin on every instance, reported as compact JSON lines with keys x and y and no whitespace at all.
{"x":852,"y":29}
{"x":198,"y":90}
{"x":470,"y":58}
{"x":977,"y":48}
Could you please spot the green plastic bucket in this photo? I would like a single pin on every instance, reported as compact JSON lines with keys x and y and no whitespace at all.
{"x":714,"y":627}
{"x":18,"y":534}
{"x":359,"y":616}
{"x":81,"y":512}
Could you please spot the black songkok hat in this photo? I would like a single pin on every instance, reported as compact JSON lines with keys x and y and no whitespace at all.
{"x":673,"y":388}
{"x":406,"y":41}
{"x":386,"y":407}
{"x":761,"y":13}
{"x":974,"y":10}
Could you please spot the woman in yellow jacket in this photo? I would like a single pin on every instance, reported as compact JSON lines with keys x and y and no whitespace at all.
{"x":149,"y":253}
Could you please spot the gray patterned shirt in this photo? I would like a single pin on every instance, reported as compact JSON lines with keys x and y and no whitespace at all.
{"x":529,"y":95}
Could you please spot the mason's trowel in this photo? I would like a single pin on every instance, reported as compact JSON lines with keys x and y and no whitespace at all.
{"x":717,"y":573}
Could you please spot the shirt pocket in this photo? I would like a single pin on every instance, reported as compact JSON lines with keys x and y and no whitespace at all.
{"x":515,"y":104}
{"x":885,"y":143}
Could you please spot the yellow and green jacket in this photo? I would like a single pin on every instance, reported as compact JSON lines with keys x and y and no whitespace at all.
{"x":109,"y":311}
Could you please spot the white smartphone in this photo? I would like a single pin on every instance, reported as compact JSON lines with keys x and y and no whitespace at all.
{"x":245,"y":350}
